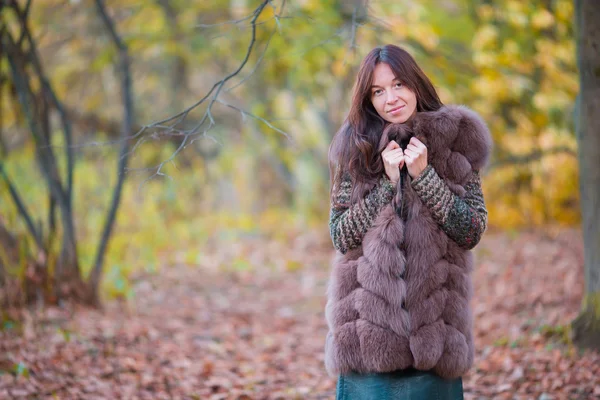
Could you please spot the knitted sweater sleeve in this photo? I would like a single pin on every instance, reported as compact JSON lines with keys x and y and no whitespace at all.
{"x":348,"y":224}
{"x":463,"y":219}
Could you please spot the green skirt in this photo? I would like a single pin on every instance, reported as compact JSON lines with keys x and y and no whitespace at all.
{"x":408,"y":384}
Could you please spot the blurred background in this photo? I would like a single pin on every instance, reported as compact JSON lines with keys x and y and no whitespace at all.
{"x":211,"y":121}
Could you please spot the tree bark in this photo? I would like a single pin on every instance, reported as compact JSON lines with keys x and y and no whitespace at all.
{"x":586,"y":327}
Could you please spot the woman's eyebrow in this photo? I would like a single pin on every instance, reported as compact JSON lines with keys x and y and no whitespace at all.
{"x":393,"y":80}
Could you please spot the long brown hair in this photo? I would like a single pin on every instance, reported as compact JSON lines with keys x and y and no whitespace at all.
{"x":353,"y":149}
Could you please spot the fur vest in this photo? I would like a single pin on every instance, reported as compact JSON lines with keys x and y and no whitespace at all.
{"x":401,"y":299}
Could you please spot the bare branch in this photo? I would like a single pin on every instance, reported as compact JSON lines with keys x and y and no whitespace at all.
{"x":213,"y":94}
{"x":255,"y":66}
{"x":246,"y":113}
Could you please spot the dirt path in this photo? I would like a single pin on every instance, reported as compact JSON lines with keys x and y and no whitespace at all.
{"x":197,"y":332}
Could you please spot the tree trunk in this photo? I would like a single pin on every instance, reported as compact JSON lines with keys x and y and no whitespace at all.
{"x":128,"y":123}
{"x":35,"y":107}
{"x":586,"y":327}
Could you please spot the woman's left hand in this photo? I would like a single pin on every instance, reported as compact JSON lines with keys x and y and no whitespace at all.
{"x":415,"y":157}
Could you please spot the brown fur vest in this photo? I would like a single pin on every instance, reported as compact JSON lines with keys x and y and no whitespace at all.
{"x":401,"y":299}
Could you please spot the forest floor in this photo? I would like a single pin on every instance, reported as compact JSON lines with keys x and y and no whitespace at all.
{"x":207,"y":332}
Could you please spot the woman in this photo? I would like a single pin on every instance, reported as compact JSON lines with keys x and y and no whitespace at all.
{"x":406,"y":209}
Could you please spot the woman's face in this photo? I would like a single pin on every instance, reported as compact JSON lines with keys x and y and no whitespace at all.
{"x":393,"y":101}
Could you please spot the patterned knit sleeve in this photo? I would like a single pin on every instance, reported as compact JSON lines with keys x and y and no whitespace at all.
{"x":348,"y":224}
{"x":463,"y":219}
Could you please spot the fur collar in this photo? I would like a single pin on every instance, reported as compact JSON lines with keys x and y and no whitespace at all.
{"x":452,"y":128}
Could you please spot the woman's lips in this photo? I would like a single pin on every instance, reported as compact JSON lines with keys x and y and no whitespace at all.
{"x":396,"y":110}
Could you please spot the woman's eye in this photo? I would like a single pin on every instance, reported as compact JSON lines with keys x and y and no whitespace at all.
{"x":378,"y":92}
{"x":398,"y":84}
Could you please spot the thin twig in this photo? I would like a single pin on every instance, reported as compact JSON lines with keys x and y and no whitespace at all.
{"x":246,"y":113}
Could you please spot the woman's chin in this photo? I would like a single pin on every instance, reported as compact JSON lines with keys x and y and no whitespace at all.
{"x":396,"y":120}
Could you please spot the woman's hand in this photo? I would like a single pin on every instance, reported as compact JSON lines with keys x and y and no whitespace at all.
{"x":393,"y":160}
{"x":416,"y":157}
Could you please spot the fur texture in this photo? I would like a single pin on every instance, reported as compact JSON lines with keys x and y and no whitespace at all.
{"x":401,"y":299}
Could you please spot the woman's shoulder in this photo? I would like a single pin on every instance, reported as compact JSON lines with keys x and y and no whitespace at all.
{"x":460,"y":129}
{"x":342,"y":174}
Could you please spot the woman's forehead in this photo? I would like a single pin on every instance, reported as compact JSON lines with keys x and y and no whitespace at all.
{"x":383,"y":74}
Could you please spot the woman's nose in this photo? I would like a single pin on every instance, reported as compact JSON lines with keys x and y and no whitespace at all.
{"x":391,"y":98}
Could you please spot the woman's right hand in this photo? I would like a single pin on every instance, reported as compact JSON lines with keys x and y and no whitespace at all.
{"x":393,"y":160}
